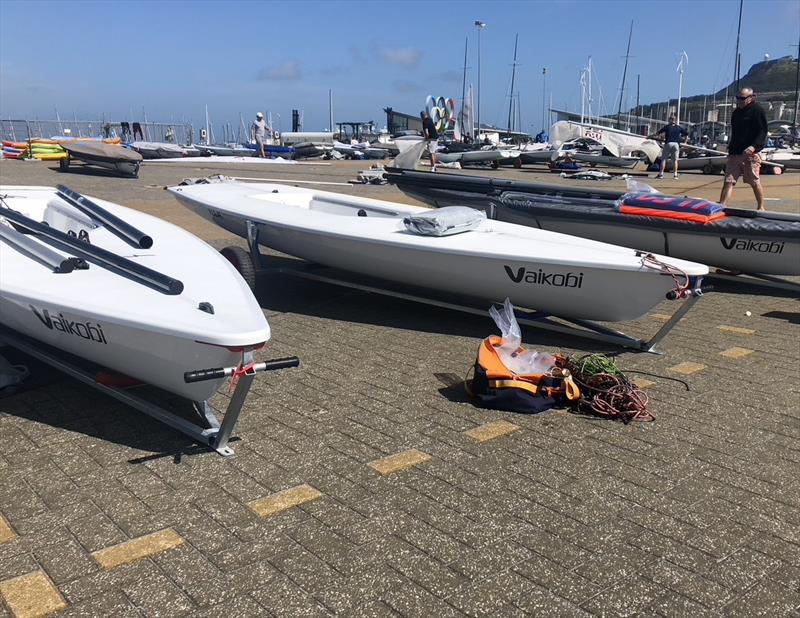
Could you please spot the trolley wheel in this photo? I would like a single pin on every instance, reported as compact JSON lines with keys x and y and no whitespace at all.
{"x":518,"y":163}
{"x":63,"y":164}
{"x":243,"y":263}
{"x":495,"y":165}
{"x":136,"y":171}
{"x":708,"y":169}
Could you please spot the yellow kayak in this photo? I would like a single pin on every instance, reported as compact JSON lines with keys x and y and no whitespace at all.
{"x":49,"y":156}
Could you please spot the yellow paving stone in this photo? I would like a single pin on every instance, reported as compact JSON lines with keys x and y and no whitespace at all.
{"x":284,"y":500}
{"x":736,"y":352}
{"x":490,"y":431}
{"x":687,"y":368}
{"x":642,"y":383}
{"x":31,"y":596}
{"x":400,"y":461}
{"x":6,"y":533}
{"x":138,"y":548}
{"x":736,"y":330}
{"x":660,"y":316}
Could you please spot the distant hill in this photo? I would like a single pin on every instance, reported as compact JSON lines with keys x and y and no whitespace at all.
{"x":773,"y":81}
{"x":777,"y":75}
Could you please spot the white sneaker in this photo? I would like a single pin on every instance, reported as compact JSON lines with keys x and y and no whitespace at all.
{"x":674,"y":177}
{"x":433,"y":168}
{"x":660,"y":176}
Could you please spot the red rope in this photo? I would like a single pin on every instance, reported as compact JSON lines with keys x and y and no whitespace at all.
{"x":651,"y":261}
{"x":238,"y":373}
{"x":609,"y":396}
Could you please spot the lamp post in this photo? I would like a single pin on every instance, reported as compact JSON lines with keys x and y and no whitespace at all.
{"x":480,"y":26}
{"x":544,"y":90}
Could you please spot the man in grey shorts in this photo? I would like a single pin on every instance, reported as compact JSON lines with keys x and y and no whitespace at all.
{"x":673,"y":135}
{"x":431,"y":138}
{"x":258,"y":131}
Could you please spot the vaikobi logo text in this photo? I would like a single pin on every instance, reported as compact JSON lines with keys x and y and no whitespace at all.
{"x":741,"y":244}
{"x":539,"y":277}
{"x":84,"y":330}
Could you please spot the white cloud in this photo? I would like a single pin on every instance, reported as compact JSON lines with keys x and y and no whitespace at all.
{"x":288,"y":71}
{"x":404,"y":56}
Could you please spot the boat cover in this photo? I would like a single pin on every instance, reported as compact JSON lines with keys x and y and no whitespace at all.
{"x":583,"y":204}
{"x":98,"y":151}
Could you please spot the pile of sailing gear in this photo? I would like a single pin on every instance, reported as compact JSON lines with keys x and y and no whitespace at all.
{"x":509,"y":377}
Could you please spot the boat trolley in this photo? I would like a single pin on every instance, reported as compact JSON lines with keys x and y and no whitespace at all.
{"x":535,"y":319}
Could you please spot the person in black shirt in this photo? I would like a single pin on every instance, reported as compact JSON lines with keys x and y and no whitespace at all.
{"x":673,"y":134}
{"x":431,"y":137}
{"x":748,"y":136}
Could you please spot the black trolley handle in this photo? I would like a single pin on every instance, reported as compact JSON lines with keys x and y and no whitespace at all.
{"x":201,"y":375}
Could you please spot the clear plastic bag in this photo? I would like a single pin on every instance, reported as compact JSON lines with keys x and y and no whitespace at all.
{"x":634,"y":186}
{"x":517,"y":359}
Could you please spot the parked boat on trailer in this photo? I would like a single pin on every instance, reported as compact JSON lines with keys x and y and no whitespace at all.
{"x":554,"y":273}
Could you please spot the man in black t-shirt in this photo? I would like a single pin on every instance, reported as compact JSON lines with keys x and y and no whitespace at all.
{"x":673,"y":135}
{"x":748,"y":137}
{"x":431,"y":137}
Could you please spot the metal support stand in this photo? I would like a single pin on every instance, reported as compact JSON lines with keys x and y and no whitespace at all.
{"x":209,"y":433}
{"x":767,"y":281}
{"x":534,"y":319}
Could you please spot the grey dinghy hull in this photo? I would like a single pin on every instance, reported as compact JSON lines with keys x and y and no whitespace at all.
{"x":746,"y":241}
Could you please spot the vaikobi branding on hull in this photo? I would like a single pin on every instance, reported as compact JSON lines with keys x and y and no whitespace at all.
{"x":539,"y":277}
{"x":84,"y":330}
{"x":742,"y":244}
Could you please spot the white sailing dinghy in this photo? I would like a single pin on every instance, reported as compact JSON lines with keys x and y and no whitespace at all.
{"x":562,"y":275}
{"x":127,"y":292}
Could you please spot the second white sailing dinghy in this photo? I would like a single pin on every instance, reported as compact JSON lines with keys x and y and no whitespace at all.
{"x":562,"y":275}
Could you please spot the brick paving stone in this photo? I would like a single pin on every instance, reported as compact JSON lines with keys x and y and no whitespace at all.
{"x":64,"y":561}
{"x":687,"y":583}
{"x":736,"y":352}
{"x":673,"y":605}
{"x":284,"y":500}
{"x":137,"y":549}
{"x":736,"y":330}
{"x":687,"y":368}
{"x":399,"y":461}
{"x":742,"y":569}
{"x":766,"y":598}
{"x":155,"y":595}
{"x":31,"y":595}
{"x":412,"y":601}
{"x":555,"y":578}
{"x":626,"y":598}
{"x":113,"y":603}
{"x":491,"y":431}
{"x":282,"y":598}
{"x":6,"y":532}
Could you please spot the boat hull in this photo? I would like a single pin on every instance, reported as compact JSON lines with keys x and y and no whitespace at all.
{"x":729,"y":248}
{"x":131,"y":349}
{"x":601,"y":292}
{"x":114,"y":321}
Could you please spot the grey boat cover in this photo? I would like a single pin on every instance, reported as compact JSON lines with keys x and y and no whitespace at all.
{"x":549,"y":202}
{"x":100,"y":151}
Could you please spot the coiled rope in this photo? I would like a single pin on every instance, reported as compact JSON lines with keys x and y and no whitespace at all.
{"x":607,"y":392}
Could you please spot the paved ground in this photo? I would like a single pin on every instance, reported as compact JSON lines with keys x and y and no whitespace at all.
{"x":696,"y":514}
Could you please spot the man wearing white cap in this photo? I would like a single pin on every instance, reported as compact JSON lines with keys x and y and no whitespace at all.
{"x":257,"y":132}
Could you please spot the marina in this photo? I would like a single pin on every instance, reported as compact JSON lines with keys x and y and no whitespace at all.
{"x":378,"y":318}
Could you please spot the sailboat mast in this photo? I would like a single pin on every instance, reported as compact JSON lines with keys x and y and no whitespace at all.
{"x":736,"y":67}
{"x":624,"y":75}
{"x":513,"y":75}
{"x":464,"y":82}
{"x":796,"y":90}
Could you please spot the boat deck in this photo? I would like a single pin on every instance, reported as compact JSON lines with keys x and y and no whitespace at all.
{"x":365,"y":483}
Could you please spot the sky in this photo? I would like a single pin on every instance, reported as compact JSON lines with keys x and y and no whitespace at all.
{"x":168,"y":59}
